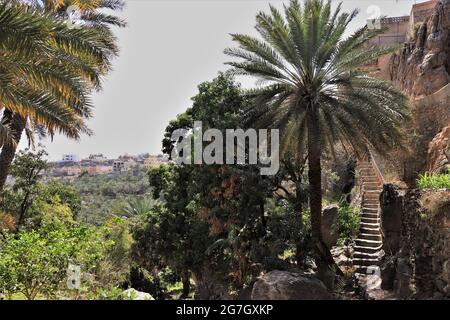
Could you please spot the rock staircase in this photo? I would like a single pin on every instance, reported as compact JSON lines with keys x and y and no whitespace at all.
{"x":368,"y":248}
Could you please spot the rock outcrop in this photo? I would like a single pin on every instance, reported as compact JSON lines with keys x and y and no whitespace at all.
{"x":438,"y":159}
{"x":421,"y":69}
{"x":423,"y":66}
{"x":330,"y":220}
{"x":417,"y":264}
{"x":283,"y":285}
{"x":133,"y":294}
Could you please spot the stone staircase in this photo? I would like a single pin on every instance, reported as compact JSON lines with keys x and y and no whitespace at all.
{"x":368,"y":248}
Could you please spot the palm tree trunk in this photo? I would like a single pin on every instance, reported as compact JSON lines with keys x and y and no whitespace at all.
{"x":324,"y":258}
{"x":315,"y":184}
{"x":17,"y":125}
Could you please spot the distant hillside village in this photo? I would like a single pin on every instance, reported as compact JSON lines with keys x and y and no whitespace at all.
{"x":96,"y":164}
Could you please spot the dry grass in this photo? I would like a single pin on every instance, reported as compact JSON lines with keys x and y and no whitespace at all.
{"x":7,"y":222}
{"x":434,"y":201}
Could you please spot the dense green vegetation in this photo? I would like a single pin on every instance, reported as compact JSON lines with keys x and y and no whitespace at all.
{"x":104,"y":196}
{"x":434,"y":181}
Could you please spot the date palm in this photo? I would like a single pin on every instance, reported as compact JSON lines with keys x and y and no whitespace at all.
{"x":48,"y":70}
{"x":316,"y":89}
{"x":89,"y":11}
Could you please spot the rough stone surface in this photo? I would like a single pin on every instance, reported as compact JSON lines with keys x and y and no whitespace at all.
{"x":438,"y":159}
{"x":330,"y":221}
{"x":342,"y":255}
{"x":133,"y":294}
{"x":283,"y":285}
{"x":391,"y":216}
{"x":422,"y":71}
{"x":422,"y":261}
{"x":423,"y":66}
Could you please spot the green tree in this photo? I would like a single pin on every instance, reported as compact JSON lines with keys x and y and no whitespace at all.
{"x":211,"y":223}
{"x":28,"y":199}
{"x":316,"y":89}
{"x":26,"y":170}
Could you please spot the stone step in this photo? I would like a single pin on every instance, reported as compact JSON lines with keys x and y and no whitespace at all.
{"x":368,"y":236}
{"x":371,"y":205}
{"x":364,"y":249}
{"x":370,"y":215}
{"x":367,"y":174}
{"x":371,"y":197}
{"x":368,"y":255}
{"x":370,"y":230}
{"x":368,"y":243}
{"x":370,"y":210}
{"x":369,"y":224}
{"x":373,"y":191}
{"x":373,"y":221}
{"x":365,"y":262}
{"x":365,"y":167}
{"x":373,"y":184}
{"x":369,"y":177}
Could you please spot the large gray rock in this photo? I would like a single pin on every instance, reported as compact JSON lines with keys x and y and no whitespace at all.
{"x":283,"y":285}
{"x":133,"y":294}
{"x":330,"y":220}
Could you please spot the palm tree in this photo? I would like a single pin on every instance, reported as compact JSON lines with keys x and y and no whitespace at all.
{"x":89,"y":11}
{"x":48,"y":71}
{"x":316,"y":88}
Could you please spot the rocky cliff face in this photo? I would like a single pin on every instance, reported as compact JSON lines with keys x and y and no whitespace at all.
{"x":422,"y":70}
{"x":416,"y":225}
{"x":423,"y":66}
{"x":438,"y":160}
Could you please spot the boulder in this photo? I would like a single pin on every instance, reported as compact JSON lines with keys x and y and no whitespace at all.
{"x":330,"y":220}
{"x":343,"y":256}
{"x":133,"y":294}
{"x":391,"y":202}
{"x":283,"y":285}
{"x":438,"y":158}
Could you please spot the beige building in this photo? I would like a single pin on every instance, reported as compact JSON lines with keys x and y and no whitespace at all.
{"x":420,"y":11}
{"x":153,"y":161}
{"x":99,"y":169}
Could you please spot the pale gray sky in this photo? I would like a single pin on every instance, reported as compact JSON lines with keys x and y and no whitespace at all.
{"x":168,"y":48}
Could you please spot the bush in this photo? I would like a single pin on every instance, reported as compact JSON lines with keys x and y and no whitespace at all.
{"x":434,"y":181}
{"x":34,"y":263}
{"x":349,"y":221}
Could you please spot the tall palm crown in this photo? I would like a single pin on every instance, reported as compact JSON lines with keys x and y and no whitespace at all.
{"x":89,"y":11}
{"x":315,"y":87}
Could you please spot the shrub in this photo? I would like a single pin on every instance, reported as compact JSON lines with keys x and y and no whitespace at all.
{"x":34,"y":263}
{"x":348,"y":224}
{"x":434,"y":181}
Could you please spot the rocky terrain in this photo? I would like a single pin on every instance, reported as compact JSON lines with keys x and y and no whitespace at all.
{"x":423,"y":66}
{"x":416,"y":225}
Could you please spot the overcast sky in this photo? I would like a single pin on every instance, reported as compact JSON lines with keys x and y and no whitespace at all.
{"x":168,"y":48}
